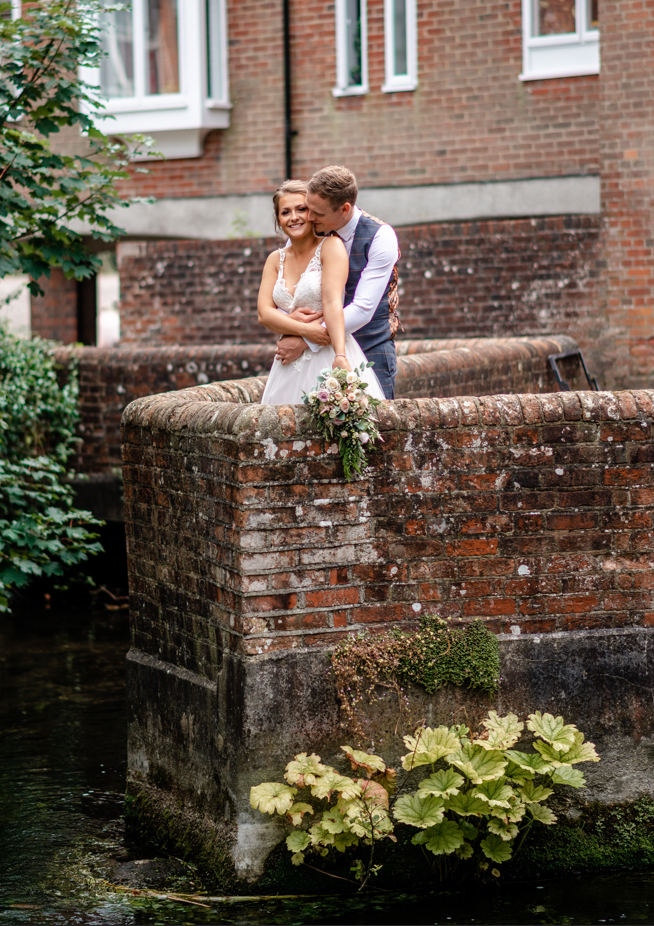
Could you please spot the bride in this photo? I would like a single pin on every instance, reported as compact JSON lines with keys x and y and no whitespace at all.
{"x":309,"y":274}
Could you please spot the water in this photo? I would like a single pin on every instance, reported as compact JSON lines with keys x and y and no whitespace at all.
{"x":62,"y":771}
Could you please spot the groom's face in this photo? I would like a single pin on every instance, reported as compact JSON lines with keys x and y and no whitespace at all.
{"x":324,"y":218}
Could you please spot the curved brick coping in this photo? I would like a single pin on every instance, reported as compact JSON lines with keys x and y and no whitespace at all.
{"x":195,"y":411}
{"x":490,"y":348}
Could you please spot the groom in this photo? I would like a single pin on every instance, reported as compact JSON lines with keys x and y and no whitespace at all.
{"x":370,"y":291}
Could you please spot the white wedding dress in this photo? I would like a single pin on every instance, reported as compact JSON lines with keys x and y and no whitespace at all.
{"x":287,"y":383}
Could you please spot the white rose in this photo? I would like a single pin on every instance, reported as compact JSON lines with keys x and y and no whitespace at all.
{"x":364,"y":437}
{"x":351,"y":378}
{"x":332,"y":383}
{"x":313,"y":396}
{"x":343,"y":433}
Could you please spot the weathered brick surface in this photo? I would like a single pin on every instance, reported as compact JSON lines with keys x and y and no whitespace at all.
{"x":54,"y":315}
{"x":489,"y":279}
{"x":627,"y":157}
{"x":529,"y":512}
{"x":111,"y":378}
{"x":470,"y":118}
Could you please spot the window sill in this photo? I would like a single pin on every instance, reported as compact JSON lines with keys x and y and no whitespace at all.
{"x":116,"y":106}
{"x":403,"y":87}
{"x":217,"y":104}
{"x":351,"y":91}
{"x":566,"y":72}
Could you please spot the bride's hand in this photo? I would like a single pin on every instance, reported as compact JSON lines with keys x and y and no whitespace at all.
{"x":340,"y":361}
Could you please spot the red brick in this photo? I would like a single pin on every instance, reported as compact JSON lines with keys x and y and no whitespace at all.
{"x":331,"y":597}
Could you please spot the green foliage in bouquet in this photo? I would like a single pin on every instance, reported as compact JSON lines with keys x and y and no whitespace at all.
{"x":475,"y":803}
{"x":343,"y":411}
{"x":41,"y":533}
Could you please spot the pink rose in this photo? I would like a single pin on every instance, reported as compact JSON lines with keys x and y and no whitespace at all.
{"x":323,"y":395}
{"x":344,"y":405}
{"x":364,"y":437}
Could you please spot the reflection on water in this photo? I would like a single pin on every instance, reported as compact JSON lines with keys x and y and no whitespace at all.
{"x":62,"y":771}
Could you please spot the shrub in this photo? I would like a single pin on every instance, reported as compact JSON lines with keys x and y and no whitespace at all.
{"x":41,"y":533}
{"x":476,"y":805}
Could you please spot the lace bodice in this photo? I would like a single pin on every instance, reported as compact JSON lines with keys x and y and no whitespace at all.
{"x":308,"y":292}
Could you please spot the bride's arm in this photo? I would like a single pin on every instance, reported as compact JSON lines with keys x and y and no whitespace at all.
{"x":279,"y":322}
{"x":335,"y":267}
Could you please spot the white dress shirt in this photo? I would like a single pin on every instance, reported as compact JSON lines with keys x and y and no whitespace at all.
{"x":382,"y":257}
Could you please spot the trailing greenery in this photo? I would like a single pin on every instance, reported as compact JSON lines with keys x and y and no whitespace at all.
{"x":436,"y":655}
{"x":45,"y":195}
{"x":476,"y":807}
{"x":42,"y":535}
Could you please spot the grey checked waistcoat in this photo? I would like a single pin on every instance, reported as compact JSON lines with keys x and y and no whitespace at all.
{"x":378,"y":329}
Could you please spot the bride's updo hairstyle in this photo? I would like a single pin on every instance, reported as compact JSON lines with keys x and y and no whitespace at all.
{"x":289,"y":186}
{"x":336,"y":184}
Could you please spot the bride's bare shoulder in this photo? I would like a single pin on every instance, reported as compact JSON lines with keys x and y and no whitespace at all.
{"x":333,"y":247}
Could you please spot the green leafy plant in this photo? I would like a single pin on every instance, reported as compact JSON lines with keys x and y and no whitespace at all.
{"x":477,"y":804}
{"x":46,"y":194}
{"x":41,"y":533}
{"x":368,"y":666}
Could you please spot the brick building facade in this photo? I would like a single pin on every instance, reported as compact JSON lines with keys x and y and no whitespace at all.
{"x":503,"y":142}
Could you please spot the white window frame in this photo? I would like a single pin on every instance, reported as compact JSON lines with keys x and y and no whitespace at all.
{"x":178,"y":122}
{"x":342,"y":88}
{"x":571,"y":54}
{"x":397,"y":83}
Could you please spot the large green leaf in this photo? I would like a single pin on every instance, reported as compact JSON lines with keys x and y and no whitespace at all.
{"x":442,"y":839}
{"x":298,"y":841}
{"x":343,"y":840}
{"x":496,"y":849}
{"x":444,"y":783}
{"x":529,"y":761}
{"x":419,"y":811}
{"x":304,"y":770}
{"x":428,"y":746}
{"x":334,"y":821}
{"x":566,"y":775}
{"x":272,"y":797}
{"x":517,"y":774}
{"x":542,"y":814}
{"x":580,"y":751}
{"x":503,"y":828}
{"x":297,"y":811}
{"x":496,"y":793}
{"x":533,"y":794}
{"x":551,"y":756}
{"x":465,"y":851}
{"x":553,"y":730}
{"x":467,"y":805}
{"x":359,"y":759}
{"x":479,"y":764}
{"x":331,"y":781}
{"x":502,"y":732}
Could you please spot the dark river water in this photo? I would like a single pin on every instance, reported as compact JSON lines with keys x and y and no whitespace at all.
{"x":62,"y":772}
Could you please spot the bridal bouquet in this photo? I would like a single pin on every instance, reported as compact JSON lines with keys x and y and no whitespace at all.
{"x":343,"y":411}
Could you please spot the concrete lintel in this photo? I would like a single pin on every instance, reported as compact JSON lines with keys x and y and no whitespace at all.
{"x":216,"y":217}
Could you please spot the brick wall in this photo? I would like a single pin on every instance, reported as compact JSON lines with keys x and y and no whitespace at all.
{"x":54,"y":315}
{"x":490,"y":279}
{"x":111,"y":378}
{"x":470,"y":118}
{"x":627,"y":156}
{"x":533,"y":513}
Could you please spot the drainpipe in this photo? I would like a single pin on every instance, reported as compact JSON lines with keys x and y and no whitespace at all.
{"x":288,"y":129}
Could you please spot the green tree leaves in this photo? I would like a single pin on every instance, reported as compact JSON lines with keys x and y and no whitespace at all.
{"x":419,"y":811}
{"x":272,"y":797}
{"x":428,"y":746}
{"x":47,"y":195}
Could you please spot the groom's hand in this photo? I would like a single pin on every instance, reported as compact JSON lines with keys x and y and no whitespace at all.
{"x":289,"y":348}
{"x":305,"y":315}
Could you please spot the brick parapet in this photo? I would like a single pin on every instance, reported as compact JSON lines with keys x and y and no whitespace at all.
{"x":110,"y":378}
{"x":531,"y":512}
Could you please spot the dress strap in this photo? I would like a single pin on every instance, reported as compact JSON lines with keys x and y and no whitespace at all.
{"x":282,"y":257}
{"x":319,"y":248}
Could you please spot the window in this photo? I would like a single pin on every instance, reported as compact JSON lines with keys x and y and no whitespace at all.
{"x":560,"y":38}
{"x":400,"y":39}
{"x":351,"y":48}
{"x":166,"y":74}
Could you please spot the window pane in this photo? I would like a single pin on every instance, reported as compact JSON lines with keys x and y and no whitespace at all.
{"x":117,"y":69}
{"x":399,"y":24}
{"x":554,"y":17}
{"x":593,"y":14}
{"x":353,"y":27}
{"x":215,"y":87}
{"x":162,"y":67}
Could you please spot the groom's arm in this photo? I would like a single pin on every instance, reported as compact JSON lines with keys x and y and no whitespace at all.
{"x":382,"y":257}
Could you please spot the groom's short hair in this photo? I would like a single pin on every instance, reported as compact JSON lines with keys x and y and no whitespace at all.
{"x":337,"y":185}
